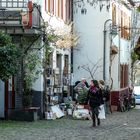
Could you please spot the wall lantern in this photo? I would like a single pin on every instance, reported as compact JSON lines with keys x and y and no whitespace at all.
{"x":113,"y":50}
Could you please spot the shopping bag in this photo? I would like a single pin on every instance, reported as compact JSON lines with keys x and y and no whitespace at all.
{"x":81,"y":114}
{"x":101,"y":112}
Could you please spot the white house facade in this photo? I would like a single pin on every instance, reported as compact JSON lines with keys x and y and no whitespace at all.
{"x":103,"y":51}
{"x":104,"y":46}
{"x":56,"y":15}
{"x":90,"y":27}
{"x":55,"y":73}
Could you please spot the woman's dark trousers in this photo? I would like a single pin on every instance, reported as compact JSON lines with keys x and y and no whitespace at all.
{"x":95,"y":113}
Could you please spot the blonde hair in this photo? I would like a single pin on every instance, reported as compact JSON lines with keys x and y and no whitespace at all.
{"x":102,"y":82}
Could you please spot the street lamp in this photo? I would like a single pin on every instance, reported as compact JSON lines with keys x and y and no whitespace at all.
{"x":113,"y":32}
{"x":104,"y":48}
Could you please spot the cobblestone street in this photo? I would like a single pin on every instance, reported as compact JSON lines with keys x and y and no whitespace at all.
{"x":117,"y":126}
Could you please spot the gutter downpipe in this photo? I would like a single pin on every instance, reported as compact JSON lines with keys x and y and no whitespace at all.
{"x":104,"y":49}
{"x":72,"y":31}
{"x":71,"y":69}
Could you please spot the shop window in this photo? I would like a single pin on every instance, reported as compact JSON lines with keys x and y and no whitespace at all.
{"x":59,"y":8}
{"x":119,"y":17}
{"x":113,"y":14}
{"x":66,"y":65}
{"x":58,"y":69}
{"x":129,"y":25}
{"x":122,"y":25}
{"x":68,"y":10}
{"x":58,"y":61}
{"x":125,"y":26}
{"x":49,"y":6}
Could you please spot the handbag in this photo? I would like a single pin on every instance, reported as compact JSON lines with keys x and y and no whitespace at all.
{"x":101,"y":114}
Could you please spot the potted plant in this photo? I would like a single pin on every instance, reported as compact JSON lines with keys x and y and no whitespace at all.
{"x":82,"y":97}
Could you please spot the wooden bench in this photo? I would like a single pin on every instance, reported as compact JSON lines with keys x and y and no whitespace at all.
{"x":34,"y":111}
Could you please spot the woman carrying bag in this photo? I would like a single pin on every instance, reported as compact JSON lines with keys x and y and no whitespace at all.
{"x":94,"y":98}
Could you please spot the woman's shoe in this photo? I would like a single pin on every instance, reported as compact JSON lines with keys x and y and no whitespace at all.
{"x":94,"y":124}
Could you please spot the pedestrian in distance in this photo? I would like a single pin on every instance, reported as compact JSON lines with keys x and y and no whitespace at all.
{"x":81,"y":90}
{"x":106,"y":96}
{"x":94,"y":99}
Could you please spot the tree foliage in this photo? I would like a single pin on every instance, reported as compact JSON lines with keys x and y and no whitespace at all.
{"x":31,"y":69}
{"x":134,"y":56}
{"x":64,"y":37}
{"x":9,"y":55}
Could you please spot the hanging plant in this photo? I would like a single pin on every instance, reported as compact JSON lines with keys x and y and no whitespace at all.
{"x":138,"y":8}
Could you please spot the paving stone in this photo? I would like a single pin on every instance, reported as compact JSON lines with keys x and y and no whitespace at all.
{"x":117,"y":126}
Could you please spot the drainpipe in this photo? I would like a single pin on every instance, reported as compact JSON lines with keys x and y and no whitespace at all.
{"x":119,"y":74}
{"x":104,"y":49}
{"x":72,"y":31}
{"x":71,"y":71}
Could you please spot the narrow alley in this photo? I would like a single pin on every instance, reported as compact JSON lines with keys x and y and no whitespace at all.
{"x":60,"y":59}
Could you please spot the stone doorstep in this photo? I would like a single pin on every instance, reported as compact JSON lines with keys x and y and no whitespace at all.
{"x":32,"y":108}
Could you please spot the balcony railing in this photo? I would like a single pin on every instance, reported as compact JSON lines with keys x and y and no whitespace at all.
{"x":13,"y":4}
{"x":20,"y":14}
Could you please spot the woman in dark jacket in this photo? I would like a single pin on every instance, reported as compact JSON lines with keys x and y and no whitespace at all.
{"x":94,"y":98}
